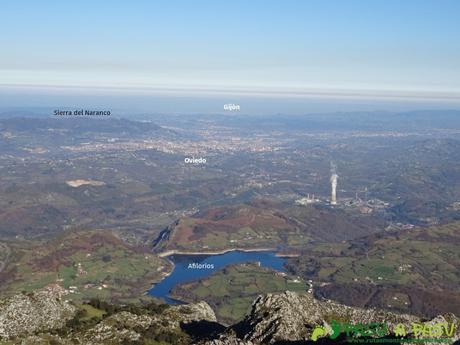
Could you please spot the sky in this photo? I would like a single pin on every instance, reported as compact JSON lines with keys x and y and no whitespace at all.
{"x":354,"y":49}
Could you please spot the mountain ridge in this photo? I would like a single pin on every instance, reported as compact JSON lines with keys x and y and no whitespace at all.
{"x":273,"y":319}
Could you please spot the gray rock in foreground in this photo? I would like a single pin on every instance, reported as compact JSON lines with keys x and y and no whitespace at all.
{"x":25,"y":314}
{"x":283,"y":317}
{"x":292,"y":317}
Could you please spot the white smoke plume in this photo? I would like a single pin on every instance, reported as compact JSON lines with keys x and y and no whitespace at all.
{"x":334,"y":178}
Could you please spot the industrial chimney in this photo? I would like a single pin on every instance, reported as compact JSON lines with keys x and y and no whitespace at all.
{"x":334,"y":189}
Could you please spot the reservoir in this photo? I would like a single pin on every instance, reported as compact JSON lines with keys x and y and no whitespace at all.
{"x":193,"y":267}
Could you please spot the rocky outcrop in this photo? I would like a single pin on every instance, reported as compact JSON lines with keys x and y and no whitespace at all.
{"x":125,"y":327}
{"x":293,"y":317}
{"x":25,"y":314}
{"x":28,"y":318}
{"x":273,"y":319}
{"x":228,"y":340}
{"x":190,"y":312}
{"x":121,"y":328}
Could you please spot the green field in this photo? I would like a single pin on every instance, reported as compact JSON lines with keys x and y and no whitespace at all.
{"x":424,"y":257}
{"x":241,"y":226}
{"x":88,"y":264}
{"x":90,"y":312}
{"x":232,"y":290}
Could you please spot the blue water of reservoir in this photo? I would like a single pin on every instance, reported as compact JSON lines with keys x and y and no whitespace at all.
{"x":182,"y":273}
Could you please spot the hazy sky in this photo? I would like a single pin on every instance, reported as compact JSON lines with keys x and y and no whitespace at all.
{"x":350,"y":48}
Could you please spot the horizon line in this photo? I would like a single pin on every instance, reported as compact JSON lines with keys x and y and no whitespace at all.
{"x":306,"y":93}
